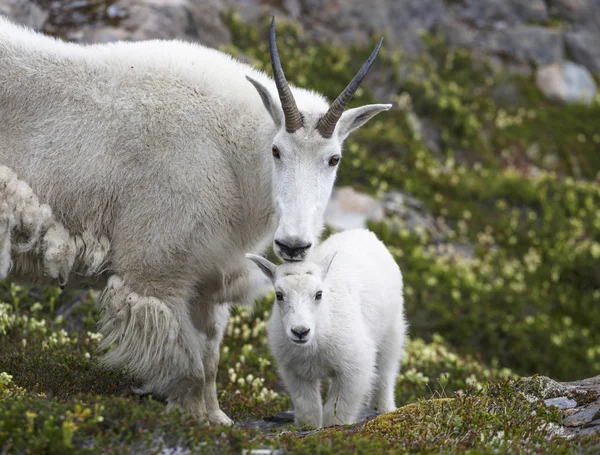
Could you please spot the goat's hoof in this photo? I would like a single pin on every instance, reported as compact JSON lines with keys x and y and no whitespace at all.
{"x":219,"y":418}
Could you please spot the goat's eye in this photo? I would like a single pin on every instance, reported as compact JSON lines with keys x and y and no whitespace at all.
{"x":334,"y":160}
{"x":319,"y":295}
{"x":275,"y":151}
{"x":279,"y":296}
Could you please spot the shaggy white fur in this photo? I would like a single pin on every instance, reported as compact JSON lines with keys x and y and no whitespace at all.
{"x":28,"y":226}
{"x":339,"y":315}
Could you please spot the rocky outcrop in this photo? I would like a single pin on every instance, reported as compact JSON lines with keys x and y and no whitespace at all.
{"x":533,"y":33}
{"x":579,"y":401}
{"x":584,"y":48}
{"x":92,"y":21}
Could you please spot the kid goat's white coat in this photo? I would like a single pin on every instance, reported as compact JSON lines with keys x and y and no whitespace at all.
{"x":338,"y":315}
{"x":150,"y":168}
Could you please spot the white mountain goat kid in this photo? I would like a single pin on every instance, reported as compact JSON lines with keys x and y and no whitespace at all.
{"x":338,"y":315}
{"x":155,"y":166}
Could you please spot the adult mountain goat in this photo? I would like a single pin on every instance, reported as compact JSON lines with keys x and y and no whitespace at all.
{"x":159,"y":159}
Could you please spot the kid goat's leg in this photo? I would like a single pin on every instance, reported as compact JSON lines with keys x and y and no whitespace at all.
{"x":306,"y":398}
{"x":388,"y":363}
{"x":347,"y":395}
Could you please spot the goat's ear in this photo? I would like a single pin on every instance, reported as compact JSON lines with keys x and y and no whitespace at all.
{"x":353,"y":119}
{"x":267,"y":267}
{"x":273,"y":108}
{"x":326,"y":264}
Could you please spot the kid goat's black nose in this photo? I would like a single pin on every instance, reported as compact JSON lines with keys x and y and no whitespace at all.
{"x":300,"y":332}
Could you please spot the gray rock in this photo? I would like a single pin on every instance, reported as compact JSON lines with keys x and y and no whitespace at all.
{"x":579,"y":401}
{"x":495,"y":27}
{"x":567,"y":10}
{"x":137,"y":20}
{"x":354,"y":21}
{"x":349,"y":209}
{"x":99,"y":34}
{"x":522,"y":43}
{"x":24,"y":12}
{"x":114,"y":12}
{"x":483,"y":13}
{"x":561,"y":403}
{"x":157,"y":19}
{"x":590,"y":429}
{"x":413,"y":214}
{"x":589,"y":385}
{"x":583,"y":417}
{"x":293,"y":8}
{"x":583,"y":14}
{"x":536,"y":45}
{"x":210,"y":28}
{"x":566,"y":83}
{"x":584,"y":48}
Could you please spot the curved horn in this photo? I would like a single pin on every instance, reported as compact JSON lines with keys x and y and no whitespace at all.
{"x":293,"y":118}
{"x":327,"y":123}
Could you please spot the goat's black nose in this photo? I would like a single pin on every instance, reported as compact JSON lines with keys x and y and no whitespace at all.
{"x":293,"y":250}
{"x":300,"y":332}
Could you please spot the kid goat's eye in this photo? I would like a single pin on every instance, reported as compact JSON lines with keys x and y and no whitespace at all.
{"x":279,"y":296}
{"x":319,"y":295}
{"x":275,"y":151}
{"x":334,"y":160}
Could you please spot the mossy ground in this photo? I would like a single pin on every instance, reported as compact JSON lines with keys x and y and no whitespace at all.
{"x":515,"y":177}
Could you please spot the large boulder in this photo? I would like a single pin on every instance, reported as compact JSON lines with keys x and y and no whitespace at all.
{"x":566,"y":83}
{"x":349,"y":209}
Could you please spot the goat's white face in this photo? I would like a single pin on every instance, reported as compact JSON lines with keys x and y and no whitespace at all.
{"x":300,"y":296}
{"x":306,"y":151}
{"x":300,"y":300}
{"x":304,"y":170}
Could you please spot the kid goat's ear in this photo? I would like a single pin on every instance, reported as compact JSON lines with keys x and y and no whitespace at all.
{"x":326,"y":264}
{"x":267,"y":267}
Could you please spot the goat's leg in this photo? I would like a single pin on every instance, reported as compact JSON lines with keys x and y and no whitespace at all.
{"x":388,"y":363}
{"x":347,"y":394}
{"x":154,"y":339}
{"x":306,"y":398}
{"x":211,"y":319}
